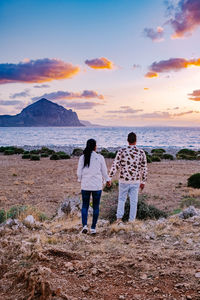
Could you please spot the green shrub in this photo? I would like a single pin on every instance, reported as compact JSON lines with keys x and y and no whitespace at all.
{"x":47,"y":150}
{"x":168,"y":156}
{"x":77,"y":152}
{"x":176,"y":211}
{"x":149,"y":160}
{"x":26,"y":156}
{"x":54,"y":156}
{"x":194,"y":181}
{"x":42,"y":217}
{"x":2,"y":216}
{"x":35,"y":151}
{"x":15,"y":211}
{"x":186,"y":202}
{"x":9,"y":152}
{"x":26,"y":152}
{"x":185,"y":156}
{"x":2,"y":149}
{"x":64,"y":156}
{"x":187,"y":152}
{"x":35,"y":157}
{"x":107,"y":154}
{"x":44,"y":155}
{"x":158,"y":150}
{"x":155,"y":158}
{"x":19,"y":150}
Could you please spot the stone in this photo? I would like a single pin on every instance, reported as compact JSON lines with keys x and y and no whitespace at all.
{"x":71,"y":206}
{"x":188,"y":213}
{"x":197,"y":275}
{"x":29,"y":221}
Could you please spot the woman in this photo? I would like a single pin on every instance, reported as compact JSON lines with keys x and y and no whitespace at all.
{"x":91,"y":172}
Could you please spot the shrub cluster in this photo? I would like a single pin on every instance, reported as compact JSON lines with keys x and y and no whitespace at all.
{"x":194,"y":181}
{"x":108,"y":154}
{"x":59,"y":155}
{"x":187,"y":154}
{"x":10,"y":150}
{"x":77,"y":152}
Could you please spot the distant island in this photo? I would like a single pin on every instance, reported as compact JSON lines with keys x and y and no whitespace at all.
{"x":41,"y":113}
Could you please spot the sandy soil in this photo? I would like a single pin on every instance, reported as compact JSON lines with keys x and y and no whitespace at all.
{"x":46,"y":183}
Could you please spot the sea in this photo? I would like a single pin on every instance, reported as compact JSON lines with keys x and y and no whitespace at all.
{"x":108,"y":137}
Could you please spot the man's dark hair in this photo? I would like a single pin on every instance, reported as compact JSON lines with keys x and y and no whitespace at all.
{"x":132,"y":137}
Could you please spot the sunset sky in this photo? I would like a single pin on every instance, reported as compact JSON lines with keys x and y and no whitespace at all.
{"x":114,"y":62}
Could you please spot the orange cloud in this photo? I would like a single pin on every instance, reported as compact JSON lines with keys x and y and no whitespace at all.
{"x":195,"y":96}
{"x":37,"y":71}
{"x":146,"y":89}
{"x":100,"y":63}
{"x":151,"y":74}
{"x":172,"y":64}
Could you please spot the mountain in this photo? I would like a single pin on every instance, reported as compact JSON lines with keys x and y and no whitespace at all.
{"x":41,"y":113}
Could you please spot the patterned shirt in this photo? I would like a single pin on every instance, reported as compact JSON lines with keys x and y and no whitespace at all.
{"x":131,"y":163}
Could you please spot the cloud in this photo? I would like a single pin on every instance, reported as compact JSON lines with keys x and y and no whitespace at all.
{"x":172,"y":64}
{"x":195,"y":96}
{"x":81,"y":105}
{"x":24,"y":93}
{"x":10,"y":102}
{"x":151,"y":74}
{"x":136,"y":66}
{"x":146,"y":89}
{"x":154,"y":35}
{"x":125,"y":110}
{"x":166,"y":115}
{"x":59,"y":95}
{"x":99,"y":63}
{"x":186,"y":18}
{"x":40,"y":70}
{"x":41,"y":86}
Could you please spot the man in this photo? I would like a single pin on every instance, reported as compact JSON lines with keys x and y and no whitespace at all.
{"x":132,"y":166}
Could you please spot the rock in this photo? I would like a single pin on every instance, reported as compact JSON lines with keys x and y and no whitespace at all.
{"x":71,"y":206}
{"x":197,"y":275}
{"x":29,"y":221}
{"x":143,"y":276}
{"x":188,"y":213}
{"x":85,"y":288}
{"x":188,"y":297}
{"x":94,"y":271}
{"x":121,"y":297}
{"x":155,"y":289}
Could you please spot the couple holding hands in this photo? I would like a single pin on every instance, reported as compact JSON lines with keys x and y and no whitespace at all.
{"x":131,"y":163}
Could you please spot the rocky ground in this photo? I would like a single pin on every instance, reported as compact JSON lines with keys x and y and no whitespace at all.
{"x":145,"y":260}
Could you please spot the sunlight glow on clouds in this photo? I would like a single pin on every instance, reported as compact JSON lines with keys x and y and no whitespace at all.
{"x":69,"y":95}
{"x":99,"y":63}
{"x":195,"y":96}
{"x":40,"y":70}
{"x":172,"y":64}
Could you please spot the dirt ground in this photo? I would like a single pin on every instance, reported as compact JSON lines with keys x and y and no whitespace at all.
{"x":45,"y":184}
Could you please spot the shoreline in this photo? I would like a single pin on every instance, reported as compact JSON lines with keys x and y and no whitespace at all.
{"x":69,"y":149}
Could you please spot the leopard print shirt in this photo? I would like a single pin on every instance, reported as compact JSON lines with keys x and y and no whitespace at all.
{"x":131,"y":163}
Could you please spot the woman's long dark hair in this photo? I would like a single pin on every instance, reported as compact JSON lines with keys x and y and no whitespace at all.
{"x":90,"y":146}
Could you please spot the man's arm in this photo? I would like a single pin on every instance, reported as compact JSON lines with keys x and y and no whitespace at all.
{"x":143,"y":170}
{"x":115,"y":164}
{"x":104,"y":170}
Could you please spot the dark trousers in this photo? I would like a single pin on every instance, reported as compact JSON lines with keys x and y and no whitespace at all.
{"x":96,"y":196}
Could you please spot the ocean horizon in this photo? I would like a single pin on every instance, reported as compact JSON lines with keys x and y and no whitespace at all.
{"x":106,"y":136}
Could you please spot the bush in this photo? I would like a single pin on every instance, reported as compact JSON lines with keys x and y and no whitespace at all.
{"x":2,"y":216}
{"x":149,"y":160}
{"x":155,"y":158}
{"x":9,"y":152}
{"x":15,"y":211}
{"x":26,"y":152}
{"x":44,"y":155}
{"x":107,"y":154}
{"x":168,"y":156}
{"x":54,"y":157}
{"x":2,"y":149}
{"x":187,"y":154}
{"x":35,"y":157}
{"x":47,"y":151}
{"x":64,"y":156}
{"x":157,"y":151}
{"x":77,"y":152}
{"x":35,"y":151}
{"x":194,"y":181}
{"x":186,"y":202}
{"x":19,"y":150}
{"x":26,"y":156}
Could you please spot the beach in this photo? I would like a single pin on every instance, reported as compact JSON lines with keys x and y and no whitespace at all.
{"x":46,"y":183}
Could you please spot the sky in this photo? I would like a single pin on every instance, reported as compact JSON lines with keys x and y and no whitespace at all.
{"x":114,"y":62}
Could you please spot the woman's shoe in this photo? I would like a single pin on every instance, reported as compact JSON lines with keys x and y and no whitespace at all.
{"x":85,"y":229}
{"x":93,"y":231}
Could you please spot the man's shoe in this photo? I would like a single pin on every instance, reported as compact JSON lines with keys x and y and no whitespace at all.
{"x":85,"y":229}
{"x":93,"y":231}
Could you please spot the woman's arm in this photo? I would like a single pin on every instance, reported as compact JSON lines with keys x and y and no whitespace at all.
{"x":80,"y":167}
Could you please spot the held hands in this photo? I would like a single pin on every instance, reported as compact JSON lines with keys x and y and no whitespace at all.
{"x":108,"y":184}
{"x":142,"y":186}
